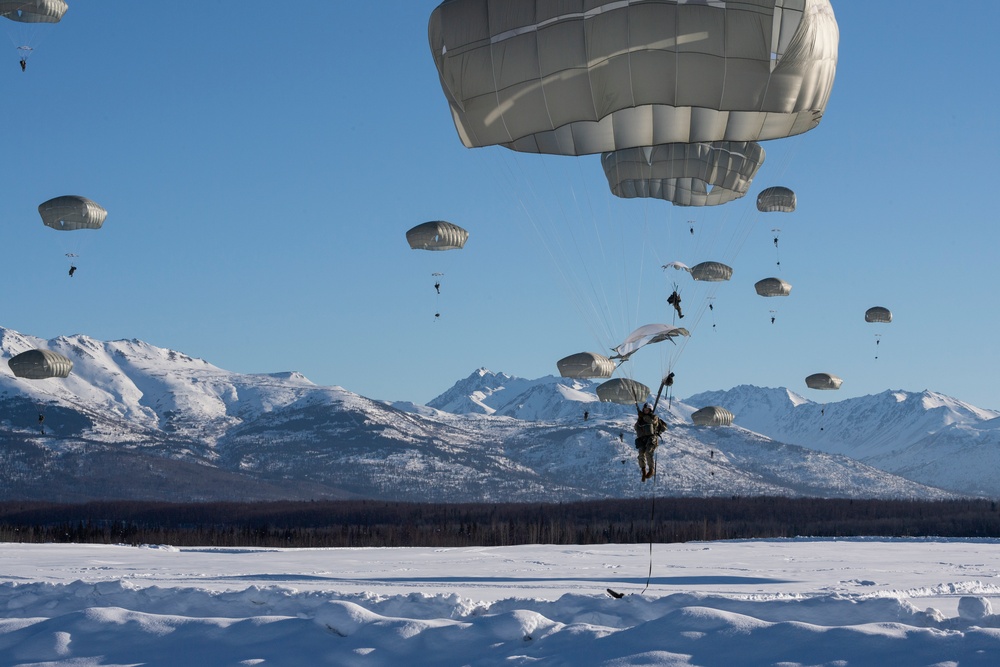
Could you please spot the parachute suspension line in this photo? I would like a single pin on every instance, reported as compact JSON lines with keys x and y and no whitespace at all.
{"x":555,"y":244}
{"x":652,"y":524}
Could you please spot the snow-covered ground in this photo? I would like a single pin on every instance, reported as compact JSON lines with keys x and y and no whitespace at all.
{"x":721,"y":604}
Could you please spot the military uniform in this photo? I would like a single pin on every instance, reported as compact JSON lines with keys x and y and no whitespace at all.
{"x":648,"y":428}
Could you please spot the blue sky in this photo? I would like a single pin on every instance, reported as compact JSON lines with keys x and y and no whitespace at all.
{"x":260,"y":170}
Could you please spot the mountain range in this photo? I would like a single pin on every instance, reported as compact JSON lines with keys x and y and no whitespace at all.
{"x":135,"y":421}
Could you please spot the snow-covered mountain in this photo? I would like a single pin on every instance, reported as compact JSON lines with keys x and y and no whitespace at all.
{"x":137,"y":421}
{"x":924,"y":436}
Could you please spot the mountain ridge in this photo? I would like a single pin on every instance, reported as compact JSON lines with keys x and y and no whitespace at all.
{"x":491,"y":437}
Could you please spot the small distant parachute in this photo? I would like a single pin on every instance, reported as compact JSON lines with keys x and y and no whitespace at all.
{"x":712,"y":415}
{"x":72,"y":212}
{"x":40,"y":365}
{"x":776,"y":200}
{"x":437,"y":235}
{"x":576,"y":78}
{"x":878,"y":314}
{"x":699,"y":174}
{"x":622,"y":391}
{"x":772,"y":287}
{"x":585,"y":365}
{"x":645,"y":335}
{"x":823,"y":381}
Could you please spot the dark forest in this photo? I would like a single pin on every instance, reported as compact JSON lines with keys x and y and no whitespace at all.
{"x":391,"y":524}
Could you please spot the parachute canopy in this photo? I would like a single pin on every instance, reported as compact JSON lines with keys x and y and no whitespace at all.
{"x":878,"y":314}
{"x":823,"y":381}
{"x":437,"y":235}
{"x":772,"y":287}
{"x":33,"y":11}
{"x":575,"y":78}
{"x":710,"y":272}
{"x":699,"y":174}
{"x":622,"y":391}
{"x":712,"y":415}
{"x":776,"y":200}
{"x":585,"y":365}
{"x":40,"y":364}
{"x":644,"y":335}
{"x":71,"y":212}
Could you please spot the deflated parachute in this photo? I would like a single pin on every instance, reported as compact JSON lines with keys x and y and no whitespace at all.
{"x":776,"y":200}
{"x":823,"y":381}
{"x":40,"y":364}
{"x":699,"y":174}
{"x":574,"y":78}
{"x":585,"y":365}
{"x":437,"y":235}
{"x":72,"y":212}
{"x":712,"y":415}
{"x":645,"y":335}
{"x":623,"y":391}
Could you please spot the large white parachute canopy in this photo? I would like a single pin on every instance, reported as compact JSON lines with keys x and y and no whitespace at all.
{"x":713,"y":415}
{"x":878,"y":314}
{"x":437,"y":235}
{"x":623,"y":391}
{"x":72,"y":212}
{"x":772,"y":287}
{"x":585,"y":365}
{"x":646,"y":335}
{"x":699,"y":174}
{"x":823,"y":381}
{"x":580,"y":77}
{"x":776,"y":200}
{"x":40,"y":365}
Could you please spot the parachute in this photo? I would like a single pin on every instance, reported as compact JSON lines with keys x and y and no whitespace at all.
{"x":437,"y":235}
{"x":581,"y":78}
{"x":33,"y":11}
{"x":823,"y":381}
{"x":40,"y":364}
{"x":72,"y":212}
{"x":709,"y":272}
{"x":585,"y":365}
{"x":776,"y":200}
{"x":772,"y":287}
{"x":712,"y":415}
{"x":698,"y":174}
{"x":26,"y":21}
{"x":878,"y":314}
{"x":645,"y":335}
{"x":623,"y":391}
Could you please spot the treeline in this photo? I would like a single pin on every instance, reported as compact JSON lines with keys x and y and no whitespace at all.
{"x":392,"y":524}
